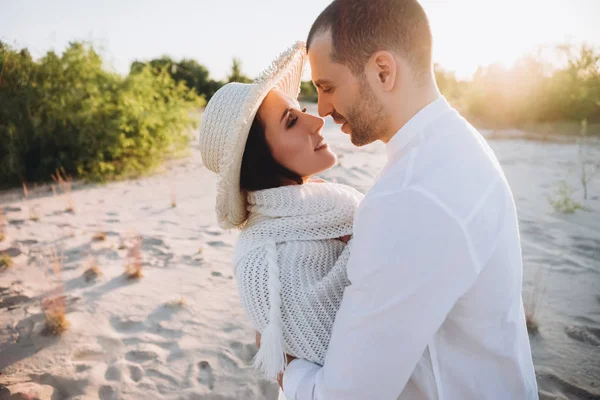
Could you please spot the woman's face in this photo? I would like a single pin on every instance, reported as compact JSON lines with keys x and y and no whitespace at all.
{"x":293,"y":136}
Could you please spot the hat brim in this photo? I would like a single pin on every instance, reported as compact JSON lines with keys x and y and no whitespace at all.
{"x":285,"y":74}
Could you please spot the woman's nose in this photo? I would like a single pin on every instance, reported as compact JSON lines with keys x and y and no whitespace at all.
{"x":315,"y":123}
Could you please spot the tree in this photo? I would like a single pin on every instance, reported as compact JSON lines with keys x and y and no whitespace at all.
{"x":236,"y":73}
{"x":194,"y":75}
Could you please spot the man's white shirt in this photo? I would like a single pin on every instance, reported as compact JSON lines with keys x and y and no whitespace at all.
{"x":434,"y":307}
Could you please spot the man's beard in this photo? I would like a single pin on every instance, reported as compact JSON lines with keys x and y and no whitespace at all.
{"x":366,"y":117}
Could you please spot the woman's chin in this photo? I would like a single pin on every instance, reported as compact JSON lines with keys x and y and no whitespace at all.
{"x":326,"y":160}
{"x":331,"y":160}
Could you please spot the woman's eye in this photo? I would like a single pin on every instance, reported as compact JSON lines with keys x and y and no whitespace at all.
{"x":328,"y":90}
{"x":292,"y":121}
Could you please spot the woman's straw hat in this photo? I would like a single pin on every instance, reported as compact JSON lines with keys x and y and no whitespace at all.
{"x":226,"y":123}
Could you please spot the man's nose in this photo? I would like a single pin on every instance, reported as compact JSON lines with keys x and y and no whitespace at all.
{"x":324,"y":108}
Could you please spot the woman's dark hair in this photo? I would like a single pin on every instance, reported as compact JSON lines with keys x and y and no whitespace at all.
{"x":259,"y":168}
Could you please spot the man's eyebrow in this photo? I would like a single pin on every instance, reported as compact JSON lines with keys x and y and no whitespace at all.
{"x":320,"y":82}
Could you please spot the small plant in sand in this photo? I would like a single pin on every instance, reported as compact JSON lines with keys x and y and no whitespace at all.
{"x":532,"y":324}
{"x":54,"y":305}
{"x":99,"y":237}
{"x":563,"y":201}
{"x":588,"y":167}
{"x":93,"y":271}
{"x":5,"y":261}
{"x":33,"y":214}
{"x":531,"y":306}
{"x":64,"y":183}
{"x":122,"y":243}
{"x":179,"y":302}
{"x":2,"y":224}
{"x":173,"y":193}
{"x":133,"y":262}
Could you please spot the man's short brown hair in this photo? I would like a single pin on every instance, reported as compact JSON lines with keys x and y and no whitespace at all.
{"x":359,"y":28}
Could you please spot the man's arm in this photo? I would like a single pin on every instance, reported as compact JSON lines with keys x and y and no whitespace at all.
{"x":409,"y":265}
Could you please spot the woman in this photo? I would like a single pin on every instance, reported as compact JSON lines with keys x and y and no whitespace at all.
{"x":291,"y":254}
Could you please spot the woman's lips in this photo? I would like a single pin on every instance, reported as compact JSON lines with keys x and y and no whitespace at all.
{"x":322,"y":145}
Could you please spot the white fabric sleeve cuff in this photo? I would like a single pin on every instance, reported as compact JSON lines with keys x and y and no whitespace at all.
{"x":297,"y":372}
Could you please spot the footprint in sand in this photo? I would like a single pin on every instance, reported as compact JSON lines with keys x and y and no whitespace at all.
{"x":113,"y":373}
{"x":205,"y":374}
{"x":136,"y":373}
{"x":88,"y":355}
{"x":11,"y":302}
{"x":107,"y":392}
{"x":227,"y":362}
{"x":218,"y":244}
{"x":27,"y":242}
{"x":162,"y":376}
{"x":244,"y":352}
{"x":585,"y":334}
{"x":82,"y":368}
{"x":141,"y":356}
{"x":123,"y":325}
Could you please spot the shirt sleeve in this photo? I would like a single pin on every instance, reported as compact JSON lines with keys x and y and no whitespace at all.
{"x":410,"y":263}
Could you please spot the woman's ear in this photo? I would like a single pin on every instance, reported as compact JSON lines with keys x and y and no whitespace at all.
{"x":383,"y":68}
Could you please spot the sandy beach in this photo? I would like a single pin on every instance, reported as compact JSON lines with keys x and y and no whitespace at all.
{"x":179,"y":332}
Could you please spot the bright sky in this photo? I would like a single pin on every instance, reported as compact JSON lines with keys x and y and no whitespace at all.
{"x":467,"y":33}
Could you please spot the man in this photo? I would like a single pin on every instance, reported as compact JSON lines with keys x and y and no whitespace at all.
{"x":434,"y":307}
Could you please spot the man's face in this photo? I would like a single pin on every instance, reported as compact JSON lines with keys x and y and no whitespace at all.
{"x":347,"y":98}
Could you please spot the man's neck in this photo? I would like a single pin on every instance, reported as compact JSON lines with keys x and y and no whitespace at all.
{"x":407,"y":105}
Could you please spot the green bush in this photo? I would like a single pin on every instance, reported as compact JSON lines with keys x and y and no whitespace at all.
{"x":563,"y":201}
{"x":308,"y":92}
{"x":67,"y":111}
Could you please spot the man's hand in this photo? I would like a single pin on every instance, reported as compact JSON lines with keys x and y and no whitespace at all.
{"x":288,"y":359}
{"x":345,"y":239}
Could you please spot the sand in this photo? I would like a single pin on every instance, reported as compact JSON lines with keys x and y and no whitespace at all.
{"x":179,"y":332}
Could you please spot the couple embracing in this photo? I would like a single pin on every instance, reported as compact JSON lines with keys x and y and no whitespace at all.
{"x":412,"y":291}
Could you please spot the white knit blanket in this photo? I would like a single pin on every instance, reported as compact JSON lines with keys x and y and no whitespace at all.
{"x":290,"y":268}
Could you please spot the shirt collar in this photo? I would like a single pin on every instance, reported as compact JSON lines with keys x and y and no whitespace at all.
{"x":415,"y":125}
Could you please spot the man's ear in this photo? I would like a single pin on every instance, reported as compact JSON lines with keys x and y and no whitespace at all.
{"x":382,"y":66}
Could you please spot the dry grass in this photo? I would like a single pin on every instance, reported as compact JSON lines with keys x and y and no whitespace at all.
{"x":92,"y":272}
{"x":25,"y":191}
{"x":133,"y":262}
{"x":54,"y":305}
{"x":5,"y":261}
{"x":2,"y":224}
{"x":64,"y":183}
{"x":99,"y":237}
